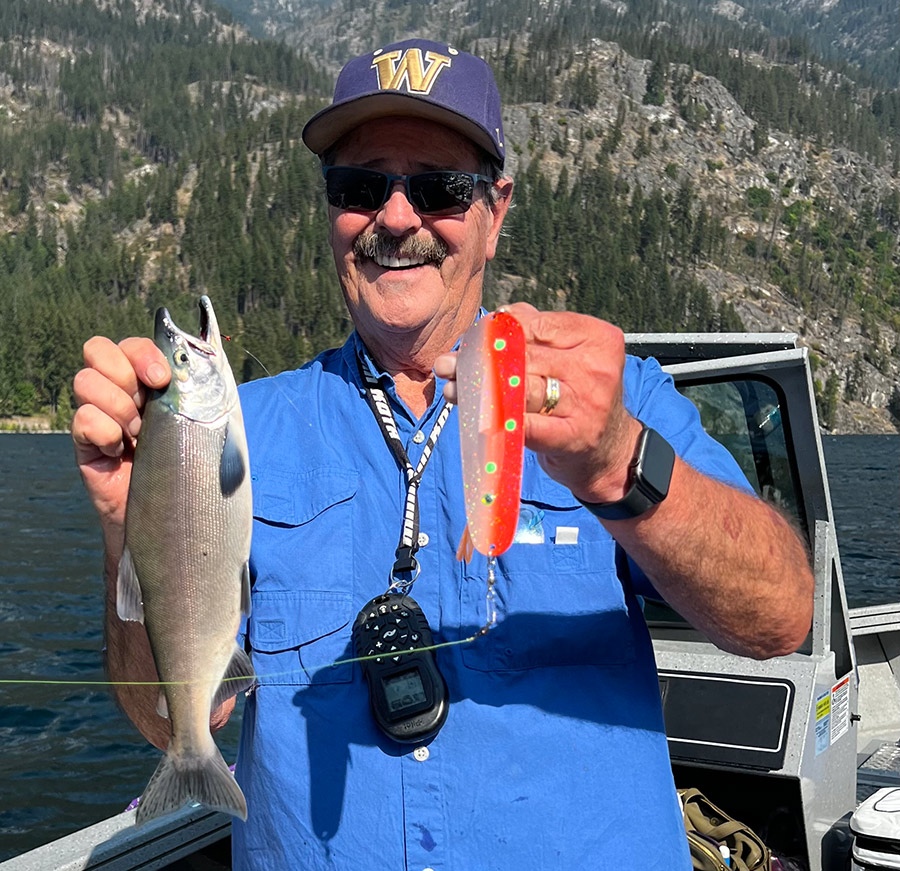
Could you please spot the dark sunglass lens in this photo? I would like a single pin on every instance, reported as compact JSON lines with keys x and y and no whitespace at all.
{"x":441,"y":191}
{"x":351,"y":188}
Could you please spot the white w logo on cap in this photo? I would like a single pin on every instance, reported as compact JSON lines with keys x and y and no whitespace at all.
{"x":398,"y":68}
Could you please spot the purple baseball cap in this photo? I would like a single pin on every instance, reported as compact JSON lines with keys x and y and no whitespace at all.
{"x":416,"y":78}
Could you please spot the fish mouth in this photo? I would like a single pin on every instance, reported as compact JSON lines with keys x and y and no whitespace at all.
{"x":207,"y":342}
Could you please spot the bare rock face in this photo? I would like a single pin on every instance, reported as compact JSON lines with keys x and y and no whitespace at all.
{"x":868,"y":389}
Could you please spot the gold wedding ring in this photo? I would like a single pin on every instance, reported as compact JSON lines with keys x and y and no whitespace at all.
{"x":551,"y":398}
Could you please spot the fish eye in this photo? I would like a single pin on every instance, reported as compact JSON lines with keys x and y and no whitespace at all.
{"x":181,"y":357}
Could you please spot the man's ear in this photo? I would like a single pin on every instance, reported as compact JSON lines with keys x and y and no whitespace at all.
{"x":504,"y":187}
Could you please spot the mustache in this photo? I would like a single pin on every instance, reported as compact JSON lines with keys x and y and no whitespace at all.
{"x":373,"y":245}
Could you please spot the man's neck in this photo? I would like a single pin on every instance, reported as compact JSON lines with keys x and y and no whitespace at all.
{"x":415,"y":391}
{"x":413,"y":380}
{"x":410,"y":365}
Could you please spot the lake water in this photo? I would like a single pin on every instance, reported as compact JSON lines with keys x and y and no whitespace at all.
{"x":70,"y":758}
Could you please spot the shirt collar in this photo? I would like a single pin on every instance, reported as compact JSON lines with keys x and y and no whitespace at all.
{"x":355,"y":350}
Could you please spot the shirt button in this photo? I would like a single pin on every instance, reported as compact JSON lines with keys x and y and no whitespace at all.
{"x":423,"y":539}
{"x":421,"y":754}
{"x":419,"y":437}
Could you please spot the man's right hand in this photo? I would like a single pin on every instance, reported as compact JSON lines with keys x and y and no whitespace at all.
{"x":110,"y":393}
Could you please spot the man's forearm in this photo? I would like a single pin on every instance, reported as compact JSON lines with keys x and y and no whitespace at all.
{"x":727,"y":562}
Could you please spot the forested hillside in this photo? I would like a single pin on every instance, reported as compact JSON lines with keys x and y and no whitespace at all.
{"x":150,"y":153}
{"x":673,"y":172}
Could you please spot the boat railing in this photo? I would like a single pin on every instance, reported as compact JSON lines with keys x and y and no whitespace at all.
{"x":116,"y":844}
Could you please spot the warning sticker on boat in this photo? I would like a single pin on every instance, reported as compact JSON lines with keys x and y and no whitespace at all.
{"x":823,"y":722}
{"x":840,"y":709}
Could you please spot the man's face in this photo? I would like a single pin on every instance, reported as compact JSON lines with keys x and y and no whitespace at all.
{"x":441,"y":295}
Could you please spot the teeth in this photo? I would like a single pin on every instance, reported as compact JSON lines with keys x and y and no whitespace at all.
{"x":398,"y":262}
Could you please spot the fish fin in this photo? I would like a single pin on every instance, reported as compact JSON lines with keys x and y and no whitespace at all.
{"x":245,"y":590}
{"x":232,"y":468}
{"x":466,"y":546}
{"x":129,"y":599}
{"x":162,"y":704}
{"x":180,"y":778}
{"x":238,"y":678}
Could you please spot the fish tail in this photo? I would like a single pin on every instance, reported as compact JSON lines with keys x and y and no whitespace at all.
{"x":183,"y":777}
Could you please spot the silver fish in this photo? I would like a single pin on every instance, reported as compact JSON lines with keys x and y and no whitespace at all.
{"x":184,"y":571}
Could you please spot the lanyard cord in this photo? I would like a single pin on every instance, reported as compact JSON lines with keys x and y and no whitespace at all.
{"x":405,"y":562}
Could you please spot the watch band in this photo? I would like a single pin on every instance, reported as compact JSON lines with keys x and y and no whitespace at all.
{"x":649,"y":475}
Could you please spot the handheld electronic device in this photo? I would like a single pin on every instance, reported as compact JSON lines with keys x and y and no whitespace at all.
{"x":407,"y":693}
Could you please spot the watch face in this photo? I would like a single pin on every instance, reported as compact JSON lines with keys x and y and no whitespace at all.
{"x":654,"y":469}
{"x":651,"y":472}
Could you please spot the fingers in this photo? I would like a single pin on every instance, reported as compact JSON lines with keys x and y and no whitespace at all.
{"x":95,"y":433}
{"x":147,"y":361}
{"x":544,"y":395}
{"x":131,"y":363}
{"x":110,"y":394}
{"x":93,"y":389}
{"x":523,"y":312}
{"x":557,"y":330}
{"x":445,"y":367}
{"x":574,"y":362}
{"x":583,"y":355}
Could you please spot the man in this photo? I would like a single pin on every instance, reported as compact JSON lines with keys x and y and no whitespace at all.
{"x":553,"y":753}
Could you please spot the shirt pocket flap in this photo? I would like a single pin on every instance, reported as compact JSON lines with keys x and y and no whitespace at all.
{"x":287,"y":619}
{"x":289,"y":498}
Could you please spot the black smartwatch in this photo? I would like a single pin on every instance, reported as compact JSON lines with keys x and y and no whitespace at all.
{"x":649,"y":475}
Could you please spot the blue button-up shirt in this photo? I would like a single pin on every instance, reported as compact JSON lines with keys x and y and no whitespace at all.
{"x":553,"y":755}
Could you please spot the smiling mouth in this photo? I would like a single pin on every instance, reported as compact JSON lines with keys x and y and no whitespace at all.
{"x":407,"y":253}
{"x":399,"y":262}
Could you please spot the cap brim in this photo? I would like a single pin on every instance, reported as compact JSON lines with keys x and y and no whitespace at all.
{"x":326,"y":127}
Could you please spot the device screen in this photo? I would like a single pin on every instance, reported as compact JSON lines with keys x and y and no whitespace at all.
{"x":404,"y":690}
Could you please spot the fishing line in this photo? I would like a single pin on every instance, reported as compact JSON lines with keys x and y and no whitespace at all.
{"x":265,"y":369}
{"x":256,"y":677}
{"x":249,"y":354}
{"x":491,"y":615}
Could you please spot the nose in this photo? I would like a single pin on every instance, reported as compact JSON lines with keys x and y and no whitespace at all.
{"x":397,"y":215}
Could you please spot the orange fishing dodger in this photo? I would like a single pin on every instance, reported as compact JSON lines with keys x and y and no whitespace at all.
{"x":490,"y":384}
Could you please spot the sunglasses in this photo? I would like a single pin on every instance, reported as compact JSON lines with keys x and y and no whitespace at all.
{"x":440,"y":192}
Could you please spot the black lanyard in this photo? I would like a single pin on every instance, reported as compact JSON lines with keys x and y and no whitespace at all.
{"x":405,"y":562}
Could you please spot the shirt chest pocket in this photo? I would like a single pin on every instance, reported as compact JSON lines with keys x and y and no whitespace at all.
{"x":302,"y":565}
{"x":558,"y":599}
